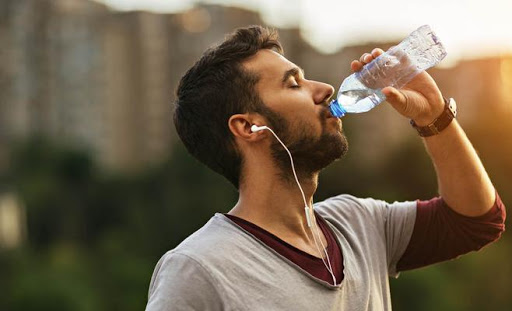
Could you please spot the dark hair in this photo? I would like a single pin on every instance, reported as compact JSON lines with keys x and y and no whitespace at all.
{"x":213,"y":90}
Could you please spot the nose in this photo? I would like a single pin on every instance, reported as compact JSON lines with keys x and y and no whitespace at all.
{"x":323,"y":93}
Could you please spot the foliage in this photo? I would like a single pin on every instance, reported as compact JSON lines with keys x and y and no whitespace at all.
{"x":94,"y":237}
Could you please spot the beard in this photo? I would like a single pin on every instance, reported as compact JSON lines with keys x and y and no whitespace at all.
{"x":310,"y":154}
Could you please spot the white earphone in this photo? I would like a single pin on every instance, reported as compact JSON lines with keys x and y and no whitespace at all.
{"x":255,"y":128}
{"x":307,"y":210}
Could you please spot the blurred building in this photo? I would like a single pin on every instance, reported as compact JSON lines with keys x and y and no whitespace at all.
{"x":80,"y":74}
{"x":478,"y":85}
{"x":51,"y":62}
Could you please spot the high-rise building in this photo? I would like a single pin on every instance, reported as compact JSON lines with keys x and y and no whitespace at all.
{"x":81,"y":74}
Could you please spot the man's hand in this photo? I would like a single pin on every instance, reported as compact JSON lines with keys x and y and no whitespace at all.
{"x":419,"y":100}
{"x":463,"y":182}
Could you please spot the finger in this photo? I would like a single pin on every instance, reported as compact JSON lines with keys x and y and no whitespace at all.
{"x":356,"y":65}
{"x":396,"y":98}
{"x":368,"y":58}
{"x":377,"y":52}
{"x":364,"y":57}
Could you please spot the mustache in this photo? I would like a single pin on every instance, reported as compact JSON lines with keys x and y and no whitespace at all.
{"x":325,"y":112}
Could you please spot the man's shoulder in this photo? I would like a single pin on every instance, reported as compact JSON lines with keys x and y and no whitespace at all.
{"x":346,"y":206}
{"x":208,"y":253}
{"x":347,"y":202}
{"x":185,"y":276}
{"x":214,"y":240}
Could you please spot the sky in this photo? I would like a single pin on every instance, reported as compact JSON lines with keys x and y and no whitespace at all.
{"x":467,"y":28}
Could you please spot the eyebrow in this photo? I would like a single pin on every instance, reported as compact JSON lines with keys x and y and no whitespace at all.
{"x":291,"y":73}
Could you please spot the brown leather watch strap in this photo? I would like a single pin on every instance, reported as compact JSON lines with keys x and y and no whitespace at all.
{"x":449,"y":113}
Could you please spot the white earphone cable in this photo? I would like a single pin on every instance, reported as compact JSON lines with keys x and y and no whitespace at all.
{"x":307,"y":210}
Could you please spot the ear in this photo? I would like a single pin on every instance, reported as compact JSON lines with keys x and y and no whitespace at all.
{"x":240,"y":126}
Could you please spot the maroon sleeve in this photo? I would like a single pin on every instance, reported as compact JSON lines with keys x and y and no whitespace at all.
{"x":441,"y":234}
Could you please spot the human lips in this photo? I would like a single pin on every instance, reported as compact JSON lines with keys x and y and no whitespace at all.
{"x":326,"y":113}
{"x":329,"y":118}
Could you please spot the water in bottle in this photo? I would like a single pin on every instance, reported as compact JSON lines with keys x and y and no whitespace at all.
{"x":361,"y":91}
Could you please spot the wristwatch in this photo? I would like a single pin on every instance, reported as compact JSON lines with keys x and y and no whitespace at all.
{"x":449,"y":113}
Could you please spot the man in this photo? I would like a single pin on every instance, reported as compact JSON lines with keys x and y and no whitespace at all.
{"x":262,"y":255}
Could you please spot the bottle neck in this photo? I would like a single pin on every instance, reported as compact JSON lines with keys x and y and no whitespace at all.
{"x":336,"y":109}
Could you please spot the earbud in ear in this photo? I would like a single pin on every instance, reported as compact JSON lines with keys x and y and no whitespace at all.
{"x":256,"y":128}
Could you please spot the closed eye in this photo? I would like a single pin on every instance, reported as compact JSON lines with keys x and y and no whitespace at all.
{"x":295,"y":82}
{"x":296,"y":73}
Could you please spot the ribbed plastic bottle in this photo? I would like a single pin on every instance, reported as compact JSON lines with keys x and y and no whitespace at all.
{"x":361,"y":91}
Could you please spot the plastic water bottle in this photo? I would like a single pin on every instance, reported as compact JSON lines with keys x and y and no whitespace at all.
{"x":361,"y":91}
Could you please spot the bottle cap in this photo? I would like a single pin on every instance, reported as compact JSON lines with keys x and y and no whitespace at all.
{"x":336,"y":109}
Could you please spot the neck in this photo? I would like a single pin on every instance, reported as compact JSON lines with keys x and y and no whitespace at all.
{"x":275,"y":203}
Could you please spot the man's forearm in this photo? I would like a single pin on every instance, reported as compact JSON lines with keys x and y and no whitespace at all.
{"x":462,"y":180}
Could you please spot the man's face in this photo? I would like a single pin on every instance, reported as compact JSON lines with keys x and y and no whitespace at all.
{"x":297,"y":112}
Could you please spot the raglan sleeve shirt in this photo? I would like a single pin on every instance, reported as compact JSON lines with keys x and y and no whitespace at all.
{"x":180,"y":282}
{"x":418,"y":234}
{"x":442,"y":234}
{"x":408,"y":235}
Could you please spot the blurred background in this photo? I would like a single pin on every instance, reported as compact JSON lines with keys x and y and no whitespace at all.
{"x":95,"y":186}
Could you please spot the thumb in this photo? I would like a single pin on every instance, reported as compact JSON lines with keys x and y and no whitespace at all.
{"x":397,"y":99}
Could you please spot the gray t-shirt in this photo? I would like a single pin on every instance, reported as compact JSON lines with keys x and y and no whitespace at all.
{"x":223,"y":267}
